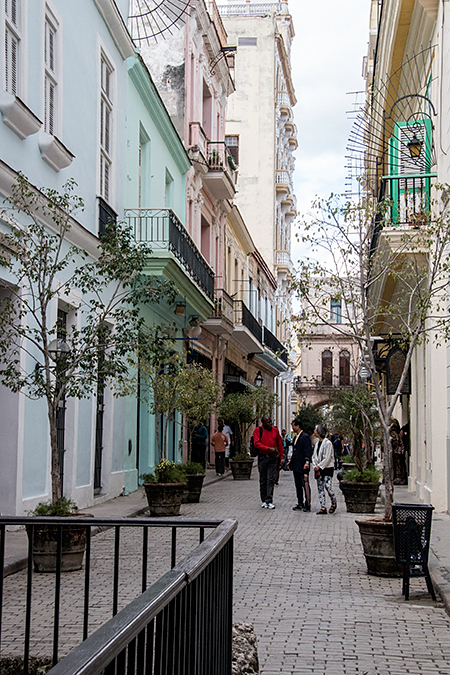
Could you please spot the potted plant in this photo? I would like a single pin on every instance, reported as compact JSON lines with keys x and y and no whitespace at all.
{"x":164,"y":488}
{"x":45,"y":538}
{"x":354,"y":413}
{"x":245,"y":409}
{"x":195,"y":475}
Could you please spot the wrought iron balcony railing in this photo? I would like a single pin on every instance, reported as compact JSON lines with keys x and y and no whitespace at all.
{"x":410,"y":199}
{"x":161,"y":229}
{"x":333,"y":382}
{"x":244,"y":317}
{"x":220,"y":158}
{"x":223,"y":305}
{"x":269,"y":340}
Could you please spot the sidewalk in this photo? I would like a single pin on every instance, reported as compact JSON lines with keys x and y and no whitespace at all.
{"x":301,"y":580}
{"x":130,"y":506}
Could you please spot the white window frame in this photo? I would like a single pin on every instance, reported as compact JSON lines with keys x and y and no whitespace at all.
{"x":12,"y":35}
{"x":51,"y":74}
{"x":106,"y":126}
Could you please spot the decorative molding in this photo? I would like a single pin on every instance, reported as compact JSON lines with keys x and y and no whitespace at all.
{"x":54,"y":152}
{"x":17,"y":116}
{"x":116,"y":26}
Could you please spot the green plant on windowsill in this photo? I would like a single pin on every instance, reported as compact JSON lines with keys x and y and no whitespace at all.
{"x":165,"y":472}
{"x":62,"y":507}
{"x":368,"y":475}
{"x":192,"y":468}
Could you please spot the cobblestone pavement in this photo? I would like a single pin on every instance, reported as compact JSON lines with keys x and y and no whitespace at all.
{"x":299,"y":578}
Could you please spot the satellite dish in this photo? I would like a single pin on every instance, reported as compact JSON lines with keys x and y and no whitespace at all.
{"x":151,"y":19}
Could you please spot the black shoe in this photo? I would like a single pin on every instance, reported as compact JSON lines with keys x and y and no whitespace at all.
{"x":299,"y":507}
{"x":306,"y":508}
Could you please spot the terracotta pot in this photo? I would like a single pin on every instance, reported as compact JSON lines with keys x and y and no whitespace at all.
{"x":45,"y":546}
{"x":241,"y":469}
{"x":359,"y":497}
{"x":194,"y":484}
{"x":377,"y":538}
{"x":164,"y":499}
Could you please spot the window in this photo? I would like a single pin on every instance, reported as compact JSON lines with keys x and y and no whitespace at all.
{"x":336,"y":311}
{"x":50,"y":76}
{"x":344,"y":368}
{"x":12,"y":45}
{"x":169,"y":191}
{"x":106,"y":110}
{"x":232,"y":143}
{"x":327,"y":367}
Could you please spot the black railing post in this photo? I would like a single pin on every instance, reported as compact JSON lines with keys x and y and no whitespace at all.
{"x":57,"y":594}
{"x":87,"y":576}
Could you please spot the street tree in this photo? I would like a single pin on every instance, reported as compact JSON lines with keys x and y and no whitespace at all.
{"x":389,"y":281}
{"x":40,"y":355}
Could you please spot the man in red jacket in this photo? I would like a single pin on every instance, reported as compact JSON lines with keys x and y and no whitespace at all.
{"x":268,"y":441}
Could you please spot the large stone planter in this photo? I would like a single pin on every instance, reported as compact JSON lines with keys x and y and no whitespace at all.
{"x":359,"y":497}
{"x":164,"y":499}
{"x":241,"y":469}
{"x":194,"y":484}
{"x":377,"y":538}
{"x":45,"y":546}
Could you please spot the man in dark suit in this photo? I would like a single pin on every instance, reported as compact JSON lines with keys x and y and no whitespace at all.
{"x":299,"y":464}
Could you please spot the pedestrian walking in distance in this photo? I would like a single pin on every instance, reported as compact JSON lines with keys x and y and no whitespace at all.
{"x":299,"y":464}
{"x":268,"y":442}
{"x":219,"y":441}
{"x":323,"y":462}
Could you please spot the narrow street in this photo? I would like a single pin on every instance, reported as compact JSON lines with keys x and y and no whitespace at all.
{"x":300,"y":579}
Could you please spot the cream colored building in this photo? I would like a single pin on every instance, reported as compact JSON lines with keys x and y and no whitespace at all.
{"x":261,"y":129}
{"x":408,"y":72}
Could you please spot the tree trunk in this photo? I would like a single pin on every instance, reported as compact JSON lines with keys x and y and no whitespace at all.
{"x":55,"y":472}
{"x":388,"y":475}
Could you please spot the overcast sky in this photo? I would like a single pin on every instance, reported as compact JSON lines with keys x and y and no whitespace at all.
{"x":330,"y":42}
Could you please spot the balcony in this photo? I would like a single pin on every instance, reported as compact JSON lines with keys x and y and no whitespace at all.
{"x":247,"y":331}
{"x":301,"y":386}
{"x":169,"y":241}
{"x":260,"y":9}
{"x":272,"y":342}
{"x":221,"y":322}
{"x":410,"y":196}
{"x":220,"y":179}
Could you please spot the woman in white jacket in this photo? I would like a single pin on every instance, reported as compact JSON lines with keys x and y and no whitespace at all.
{"x":323,"y":463}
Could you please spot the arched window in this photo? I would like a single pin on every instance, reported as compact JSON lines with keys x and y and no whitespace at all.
{"x":344,"y":368}
{"x":327,"y":367}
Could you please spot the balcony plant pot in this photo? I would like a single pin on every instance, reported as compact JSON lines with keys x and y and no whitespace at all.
{"x":194,"y":484}
{"x":359,"y":497}
{"x":45,"y":546}
{"x":377,"y":538}
{"x":164,"y":499}
{"x":241,"y":468}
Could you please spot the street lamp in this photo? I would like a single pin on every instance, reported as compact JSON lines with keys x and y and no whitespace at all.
{"x":259,"y":379}
{"x":58,"y":349}
{"x":414,"y":147}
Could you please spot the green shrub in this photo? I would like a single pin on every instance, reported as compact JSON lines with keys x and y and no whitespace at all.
{"x":368,"y":475}
{"x":191,"y":468}
{"x":244,"y":454}
{"x":165,"y":472}
{"x":62,"y":507}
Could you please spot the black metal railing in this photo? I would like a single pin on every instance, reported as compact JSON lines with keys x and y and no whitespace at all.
{"x":180,"y":626}
{"x":114,"y":563}
{"x":244,"y":317}
{"x":219,"y":157}
{"x":161,"y":229}
{"x":334,"y":382}
{"x":269,"y":340}
{"x":409,"y":197}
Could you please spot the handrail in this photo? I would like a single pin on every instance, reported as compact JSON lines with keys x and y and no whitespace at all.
{"x":102,"y":647}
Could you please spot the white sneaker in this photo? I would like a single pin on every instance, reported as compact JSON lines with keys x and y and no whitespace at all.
{"x":264,"y":505}
{"x":270,"y":506}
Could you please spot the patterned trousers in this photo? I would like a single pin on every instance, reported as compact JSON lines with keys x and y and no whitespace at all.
{"x":324,"y":483}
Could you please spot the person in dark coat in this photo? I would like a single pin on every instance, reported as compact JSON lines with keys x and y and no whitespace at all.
{"x":299,"y":464}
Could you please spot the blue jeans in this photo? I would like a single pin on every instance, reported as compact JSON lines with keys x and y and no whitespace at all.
{"x":267,"y":467}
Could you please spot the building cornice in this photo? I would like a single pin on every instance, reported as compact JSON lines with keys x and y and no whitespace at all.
{"x":116,"y":26}
{"x":284,"y":58}
{"x":149,"y":94}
